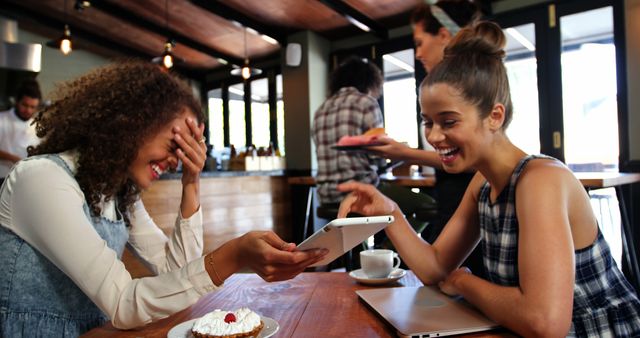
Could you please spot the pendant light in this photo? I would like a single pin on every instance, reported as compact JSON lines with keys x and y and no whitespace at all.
{"x":64,"y":42}
{"x":167,"y":56}
{"x":245,"y":71}
{"x":167,"y":59}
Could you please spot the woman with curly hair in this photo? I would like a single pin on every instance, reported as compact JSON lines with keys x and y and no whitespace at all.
{"x":68,"y":210}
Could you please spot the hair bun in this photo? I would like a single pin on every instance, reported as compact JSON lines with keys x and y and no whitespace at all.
{"x":482,"y":38}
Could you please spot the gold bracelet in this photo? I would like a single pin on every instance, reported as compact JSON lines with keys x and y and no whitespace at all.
{"x":213,"y":267}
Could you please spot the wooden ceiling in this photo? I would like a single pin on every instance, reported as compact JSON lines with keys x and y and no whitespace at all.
{"x":207,"y":33}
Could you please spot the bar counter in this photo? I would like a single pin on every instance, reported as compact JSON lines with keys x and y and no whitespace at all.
{"x":233,"y":203}
{"x":226,"y":173}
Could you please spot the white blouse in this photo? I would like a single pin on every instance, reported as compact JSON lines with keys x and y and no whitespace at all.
{"x":43,"y":204}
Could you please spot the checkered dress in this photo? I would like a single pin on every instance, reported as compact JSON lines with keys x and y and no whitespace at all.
{"x":347,"y":112}
{"x":604,"y":303}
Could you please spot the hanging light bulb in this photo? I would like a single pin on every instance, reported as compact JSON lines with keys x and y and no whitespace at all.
{"x":65,"y":41}
{"x":167,"y":56}
{"x":245,"y":71}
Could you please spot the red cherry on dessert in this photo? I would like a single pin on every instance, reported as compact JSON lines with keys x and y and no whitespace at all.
{"x":229,"y":318}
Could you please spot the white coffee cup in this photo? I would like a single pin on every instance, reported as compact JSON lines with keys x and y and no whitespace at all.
{"x":378,"y":263}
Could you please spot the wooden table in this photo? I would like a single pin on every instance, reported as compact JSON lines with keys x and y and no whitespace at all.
{"x":313,"y":304}
{"x":414,"y":181}
{"x":305,"y":186}
{"x":600,"y":180}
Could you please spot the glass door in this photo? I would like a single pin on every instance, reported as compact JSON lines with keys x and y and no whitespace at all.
{"x":525,"y":71}
{"x":590,"y":107}
{"x":523,"y":80}
{"x":400,"y":97}
{"x":590,"y":110}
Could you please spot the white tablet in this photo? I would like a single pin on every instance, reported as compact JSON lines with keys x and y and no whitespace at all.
{"x":343,"y":234}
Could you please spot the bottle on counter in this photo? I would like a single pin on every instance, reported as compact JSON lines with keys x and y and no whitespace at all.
{"x":269,"y":151}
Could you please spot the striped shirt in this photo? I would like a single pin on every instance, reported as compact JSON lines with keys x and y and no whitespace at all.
{"x":347,"y":112}
{"x":604,"y":303}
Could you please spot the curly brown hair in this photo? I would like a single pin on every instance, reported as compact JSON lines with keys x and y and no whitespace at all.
{"x":106,"y":115}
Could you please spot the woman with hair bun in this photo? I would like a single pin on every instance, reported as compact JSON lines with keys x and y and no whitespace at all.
{"x":549,"y":269}
{"x":434,"y":25}
{"x":68,"y":210}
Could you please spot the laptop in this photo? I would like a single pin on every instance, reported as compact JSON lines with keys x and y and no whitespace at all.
{"x":425,"y":311}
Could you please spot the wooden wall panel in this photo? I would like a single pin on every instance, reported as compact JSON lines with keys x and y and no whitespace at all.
{"x":231,"y":206}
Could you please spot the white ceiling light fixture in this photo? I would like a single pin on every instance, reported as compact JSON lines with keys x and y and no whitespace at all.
{"x":269,"y":39}
{"x":246,"y":71}
{"x":394,"y":60}
{"x":357,"y":23}
{"x":520,"y":38}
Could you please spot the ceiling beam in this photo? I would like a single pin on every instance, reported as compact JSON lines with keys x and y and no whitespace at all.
{"x":228,"y":13}
{"x":123,"y":14}
{"x":34,"y":18}
{"x":356,"y":18}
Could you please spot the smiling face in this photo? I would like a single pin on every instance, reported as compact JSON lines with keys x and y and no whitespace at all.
{"x":429,"y":47}
{"x":157,"y":153}
{"x":453,"y":127}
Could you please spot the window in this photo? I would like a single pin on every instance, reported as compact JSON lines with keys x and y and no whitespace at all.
{"x":589,"y":90}
{"x":400,"y":119}
{"x":216,"y":121}
{"x":229,"y":123}
{"x":237,"y":122}
{"x":260,"y":132}
{"x":574,"y":102}
{"x":523,"y":81}
{"x":280,"y":114}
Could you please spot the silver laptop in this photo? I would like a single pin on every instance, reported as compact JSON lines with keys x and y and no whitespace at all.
{"x":425,"y":311}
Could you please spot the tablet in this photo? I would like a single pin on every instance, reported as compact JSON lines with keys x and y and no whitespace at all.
{"x":343,"y":234}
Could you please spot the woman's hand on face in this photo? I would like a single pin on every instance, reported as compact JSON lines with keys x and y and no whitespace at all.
{"x":272,"y":258}
{"x":364,"y":199}
{"x":448,"y":285}
{"x":191,"y":150}
{"x":390,"y":148}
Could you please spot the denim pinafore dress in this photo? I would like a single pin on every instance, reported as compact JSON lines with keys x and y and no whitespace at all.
{"x":39,"y":300}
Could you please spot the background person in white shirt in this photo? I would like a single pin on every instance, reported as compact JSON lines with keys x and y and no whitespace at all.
{"x":69,"y":209}
{"x":16,"y":131}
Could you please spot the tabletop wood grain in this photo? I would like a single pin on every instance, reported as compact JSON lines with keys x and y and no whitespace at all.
{"x":314,"y":304}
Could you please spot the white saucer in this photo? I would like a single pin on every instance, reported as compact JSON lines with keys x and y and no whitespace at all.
{"x":360,"y":276}
{"x":183,"y":330}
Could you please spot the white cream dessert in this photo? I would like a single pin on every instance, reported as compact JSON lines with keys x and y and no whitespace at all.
{"x":240,"y":323}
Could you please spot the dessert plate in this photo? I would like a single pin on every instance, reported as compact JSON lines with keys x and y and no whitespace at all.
{"x":361,"y":277}
{"x":183,"y":330}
